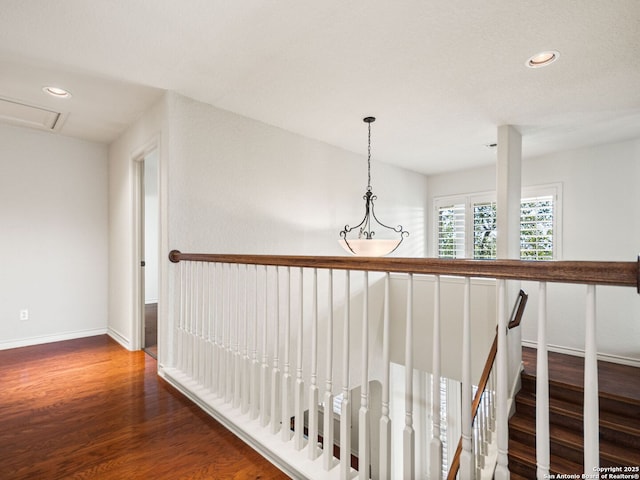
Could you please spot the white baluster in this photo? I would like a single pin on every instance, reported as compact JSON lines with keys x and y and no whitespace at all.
{"x":385,"y":421}
{"x":408,"y":434}
{"x":246,"y":361}
{"x":226,"y":313}
{"x":215,"y":331}
{"x":207,"y":322}
{"x":327,"y":430}
{"x":467,"y":458}
{"x":542,"y":389}
{"x":237,"y":360}
{"x":364,"y":450}
{"x":313,"y":388}
{"x":345,"y":407}
{"x":286,"y":377}
{"x":255,"y":364}
{"x":231,"y":307}
{"x":275,"y":372}
{"x":264,"y":368}
{"x":502,"y":413}
{"x":182,"y":315}
{"x":199,"y":324}
{"x":435,"y":449}
{"x":298,"y":436}
{"x":190,"y":345}
{"x":591,"y":413}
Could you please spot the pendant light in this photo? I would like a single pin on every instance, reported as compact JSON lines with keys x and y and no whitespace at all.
{"x":365,"y":243}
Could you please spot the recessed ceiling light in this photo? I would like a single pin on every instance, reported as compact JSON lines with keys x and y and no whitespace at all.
{"x":543,"y":59}
{"x":57,"y":92}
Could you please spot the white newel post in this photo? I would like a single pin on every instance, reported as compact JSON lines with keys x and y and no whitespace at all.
{"x":591,"y":413}
{"x":385,"y":421}
{"x":345,"y":407}
{"x":542,"y":389}
{"x":502,"y":413}
{"x":408,"y":434}
{"x":313,"y":388}
{"x":275,"y":372}
{"x":467,"y":458}
{"x":364,"y":452}
{"x":435,"y":448}
{"x":327,"y":429}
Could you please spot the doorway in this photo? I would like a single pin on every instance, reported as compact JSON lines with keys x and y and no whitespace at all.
{"x":149,"y":249}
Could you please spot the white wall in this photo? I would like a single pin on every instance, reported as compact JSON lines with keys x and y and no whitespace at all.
{"x":53,"y":235}
{"x":601,"y":212}
{"x":240,"y":186}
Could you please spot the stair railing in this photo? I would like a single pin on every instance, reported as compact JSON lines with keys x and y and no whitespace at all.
{"x":483,"y":406}
{"x":218,"y":349}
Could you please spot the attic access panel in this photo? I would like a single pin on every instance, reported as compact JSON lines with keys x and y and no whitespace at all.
{"x":18,"y":113}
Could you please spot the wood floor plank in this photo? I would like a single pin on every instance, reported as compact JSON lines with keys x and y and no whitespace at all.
{"x":89,"y":409}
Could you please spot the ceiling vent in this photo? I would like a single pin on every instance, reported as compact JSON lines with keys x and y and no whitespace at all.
{"x":25,"y":115}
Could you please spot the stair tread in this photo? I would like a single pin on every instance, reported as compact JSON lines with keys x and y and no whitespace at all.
{"x":627,"y":424}
{"x":607,"y":418}
{"x":615,"y":381}
{"x":525,"y":454}
{"x":609,"y":451}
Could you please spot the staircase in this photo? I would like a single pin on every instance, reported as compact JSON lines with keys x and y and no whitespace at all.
{"x":619,"y":401}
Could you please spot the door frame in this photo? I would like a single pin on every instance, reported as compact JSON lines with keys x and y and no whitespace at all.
{"x":138,"y":158}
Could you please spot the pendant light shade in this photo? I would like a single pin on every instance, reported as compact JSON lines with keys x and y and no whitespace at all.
{"x":364,"y":242}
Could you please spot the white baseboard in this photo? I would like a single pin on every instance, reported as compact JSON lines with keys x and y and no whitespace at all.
{"x":58,"y":337}
{"x":576,"y":352}
{"x":118,"y":337}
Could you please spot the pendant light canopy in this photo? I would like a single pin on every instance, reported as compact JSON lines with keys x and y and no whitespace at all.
{"x":364,"y":243}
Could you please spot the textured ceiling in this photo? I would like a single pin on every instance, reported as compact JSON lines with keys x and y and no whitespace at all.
{"x":440,"y":76}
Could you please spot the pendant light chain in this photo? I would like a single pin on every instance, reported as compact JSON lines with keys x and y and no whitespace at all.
{"x":369,"y":160}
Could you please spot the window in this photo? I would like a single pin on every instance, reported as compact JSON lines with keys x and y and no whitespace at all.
{"x":451,"y":231}
{"x":476,"y":214}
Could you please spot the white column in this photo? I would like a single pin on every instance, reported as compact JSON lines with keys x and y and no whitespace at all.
{"x":364,"y":451}
{"x":591,"y":414}
{"x":502,"y":413}
{"x":385,"y":421}
{"x":467,"y":459}
{"x":542,"y":389}
{"x":435,"y":447}
{"x":408,"y":434}
{"x":327,"y":430}
{"x":345,"y":407}
{"x":508,"y":181}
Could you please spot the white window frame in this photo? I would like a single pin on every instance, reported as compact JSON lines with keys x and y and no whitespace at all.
{"x":553,"y":189}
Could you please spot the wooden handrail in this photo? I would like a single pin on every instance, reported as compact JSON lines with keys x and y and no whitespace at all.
{"x":598,"y":273}
{"x":516,"y":318}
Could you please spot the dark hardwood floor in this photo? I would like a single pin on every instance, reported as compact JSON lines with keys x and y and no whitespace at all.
{"x":89,"y":409}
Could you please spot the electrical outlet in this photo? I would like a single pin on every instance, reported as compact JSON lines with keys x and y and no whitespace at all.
{"x":24,"y":314}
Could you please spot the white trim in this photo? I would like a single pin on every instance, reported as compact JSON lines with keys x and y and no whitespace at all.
{"x":58,"y":337}
{"x":121,"y":339}
{"x":297,"y":464}
{"x":576,"y":352}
